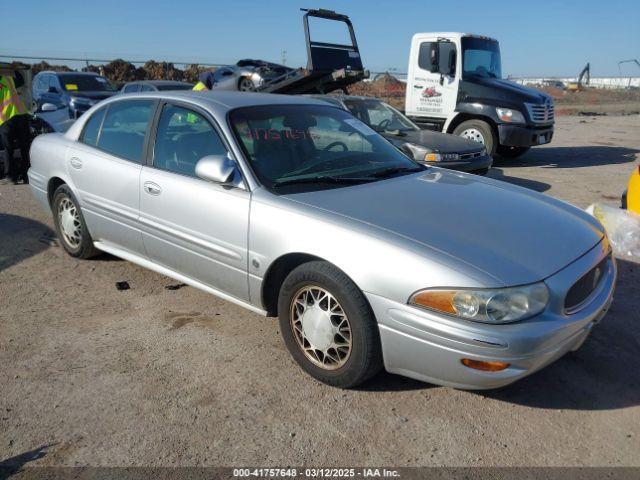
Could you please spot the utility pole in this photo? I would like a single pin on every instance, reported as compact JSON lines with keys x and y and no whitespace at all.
{"x":283,"y":57}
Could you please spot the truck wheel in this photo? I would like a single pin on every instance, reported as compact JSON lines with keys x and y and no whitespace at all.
{"x":511,"y":152}
{"x":479,"y":131}
{"x":328,"y":326}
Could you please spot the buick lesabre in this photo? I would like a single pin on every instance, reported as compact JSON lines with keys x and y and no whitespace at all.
{"x":291,"y":207}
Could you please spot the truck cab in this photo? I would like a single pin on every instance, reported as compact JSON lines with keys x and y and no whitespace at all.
{"x":455,"y":85}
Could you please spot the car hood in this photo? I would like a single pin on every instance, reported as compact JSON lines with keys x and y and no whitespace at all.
{"x":439,"y":142}
{"x":515,"y":235}
{"x":92,"y":95}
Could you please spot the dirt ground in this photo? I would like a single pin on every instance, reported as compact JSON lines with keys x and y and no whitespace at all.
{"x":90,"y":375}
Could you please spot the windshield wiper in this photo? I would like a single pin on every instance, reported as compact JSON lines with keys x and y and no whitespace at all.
{"x":322,"y":179}
{"x":393,"y":170}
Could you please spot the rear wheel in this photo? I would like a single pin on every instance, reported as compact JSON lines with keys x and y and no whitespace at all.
{"x":478,"y":131}
{"x":328,"y":326}
{"x":70,"y":225}
{"x":511,"y":152}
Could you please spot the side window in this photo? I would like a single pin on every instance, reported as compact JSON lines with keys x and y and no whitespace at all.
{"x":183,"y":138}
{"x":131,"y":88}
{"x":424,"y":56}
{"x":92,"y":128}
{"x":53,"y":83}
{"x":124,"y":128}
{"x":146,"y":88}
{"x":448,"y":57}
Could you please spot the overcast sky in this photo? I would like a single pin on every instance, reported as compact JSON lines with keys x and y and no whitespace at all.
{"x":541,"y":37}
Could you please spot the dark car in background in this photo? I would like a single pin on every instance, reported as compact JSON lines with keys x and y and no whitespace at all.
{"x":155,"y":86}
{"x":424,"y":146}
{"x":75,"y":92}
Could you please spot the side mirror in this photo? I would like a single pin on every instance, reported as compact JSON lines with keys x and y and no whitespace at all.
{"x":216,"y":168}
{"x":434,"y":57}
{"x":48,"y":107}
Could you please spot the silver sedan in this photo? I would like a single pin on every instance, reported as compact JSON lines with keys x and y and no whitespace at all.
{"x":294,"y":208}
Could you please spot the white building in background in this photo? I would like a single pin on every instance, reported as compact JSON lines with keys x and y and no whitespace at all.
{"x":598,"y":82}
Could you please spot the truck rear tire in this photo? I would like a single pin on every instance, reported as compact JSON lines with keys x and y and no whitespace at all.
{"x":479,"y":131}
{"x":505,"y":151}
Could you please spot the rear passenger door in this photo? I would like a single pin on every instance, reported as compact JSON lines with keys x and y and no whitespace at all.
{"x":105,"y":167}
{"x":194,"y":227}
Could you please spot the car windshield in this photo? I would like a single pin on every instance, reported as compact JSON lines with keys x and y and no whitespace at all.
{"x":310,"y":147}
{"x":481,"y":58}
{"x":86,"y":83}
{"x":380,"y":116}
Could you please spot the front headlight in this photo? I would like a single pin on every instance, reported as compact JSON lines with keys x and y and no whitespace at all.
{"x":510,"y":116}
{"x":420,"y":153}
{"x":500,"y":305}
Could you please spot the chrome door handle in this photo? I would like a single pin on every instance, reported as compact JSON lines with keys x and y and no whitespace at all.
{"x":152,"y":188}
{"x":76,"y":163}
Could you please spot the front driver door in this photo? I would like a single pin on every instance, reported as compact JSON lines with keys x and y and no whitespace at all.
{"x":192,"y":226}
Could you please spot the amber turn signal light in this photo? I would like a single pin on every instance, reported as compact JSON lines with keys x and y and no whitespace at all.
{"x":484,"y":366}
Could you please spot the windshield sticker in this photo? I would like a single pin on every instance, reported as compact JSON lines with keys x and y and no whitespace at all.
{"x":101,"y":80}
{"x":71,"y":86}
{"x":359,"y":126}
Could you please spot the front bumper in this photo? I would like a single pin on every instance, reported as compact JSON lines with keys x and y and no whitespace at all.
{"x":474,"y":165}
{"x":429,"y":346}
{"x":519,"y":136}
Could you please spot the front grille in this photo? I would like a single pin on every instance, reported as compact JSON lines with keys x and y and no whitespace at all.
{"x":583,"y":288}
{"x":541,"y":112}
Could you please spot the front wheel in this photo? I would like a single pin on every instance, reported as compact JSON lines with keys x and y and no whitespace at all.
{"x":478,"y":131}
{"x":328,"y":326}
{"x":511,"y":152}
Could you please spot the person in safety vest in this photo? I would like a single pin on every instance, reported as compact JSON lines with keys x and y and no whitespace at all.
{"x":205,"y":81}
{"x":14,"y":125}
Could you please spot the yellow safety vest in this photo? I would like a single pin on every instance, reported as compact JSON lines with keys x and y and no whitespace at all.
{"x":10,"y":102}
{"x":199,"y":87}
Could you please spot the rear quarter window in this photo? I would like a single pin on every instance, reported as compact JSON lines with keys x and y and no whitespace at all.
{"x":92,"y":128}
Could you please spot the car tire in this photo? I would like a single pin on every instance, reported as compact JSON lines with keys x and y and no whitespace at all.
{"x":246,"y":85}
{"x":70,"y":225}
{"x":328,"y":326}
{"x":505,"y":151}
{"x":479,"y":131}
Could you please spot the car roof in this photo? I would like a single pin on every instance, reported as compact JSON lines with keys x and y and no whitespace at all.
{"x":159,"y":82}
{"x":53,"y":72}
{"x":223,"y":100}
{"x":218,"y":103}
{"x":343,"y":97}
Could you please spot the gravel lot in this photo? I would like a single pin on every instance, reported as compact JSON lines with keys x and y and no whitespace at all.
{"x":90,"y":375}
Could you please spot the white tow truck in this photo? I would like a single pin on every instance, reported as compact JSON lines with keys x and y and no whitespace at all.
{"x":455,"y":85}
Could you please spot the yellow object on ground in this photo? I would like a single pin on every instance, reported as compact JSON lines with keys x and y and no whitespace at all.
{"x":633,"y":191}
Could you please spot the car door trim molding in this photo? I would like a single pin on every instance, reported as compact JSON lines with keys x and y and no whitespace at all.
{"x":186,"y":237}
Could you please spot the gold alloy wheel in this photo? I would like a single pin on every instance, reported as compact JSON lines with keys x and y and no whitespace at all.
{"x":321,"y":327}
